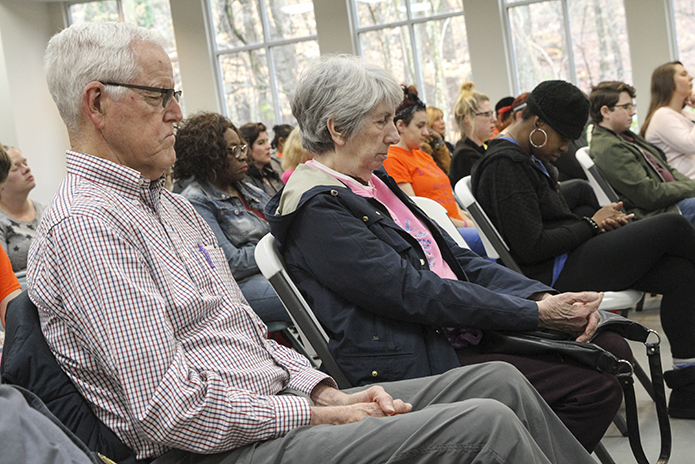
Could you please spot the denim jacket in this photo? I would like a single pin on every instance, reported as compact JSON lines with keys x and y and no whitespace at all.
{"x":237,"y":229}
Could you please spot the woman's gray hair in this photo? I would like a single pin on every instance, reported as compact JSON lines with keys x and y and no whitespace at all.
{"x":89,"y":52}
{"x":343,"y":88}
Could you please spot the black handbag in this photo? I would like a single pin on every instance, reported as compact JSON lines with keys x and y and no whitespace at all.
{"x":542,"y":342}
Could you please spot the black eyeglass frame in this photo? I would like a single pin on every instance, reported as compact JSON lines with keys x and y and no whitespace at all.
{"x":168,"y":93}
{"x":237,"y":151}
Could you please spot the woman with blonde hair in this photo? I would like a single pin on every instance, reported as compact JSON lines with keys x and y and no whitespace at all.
{"x":435,"y":145}
{"x":294,"y":154}
{"x":476,"y":120}
{"x":669,"y":125}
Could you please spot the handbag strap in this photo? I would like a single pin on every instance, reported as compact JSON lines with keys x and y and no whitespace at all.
{"x":627,"y":382}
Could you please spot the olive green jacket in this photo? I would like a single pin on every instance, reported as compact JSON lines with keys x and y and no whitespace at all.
{"x":641,"y":188}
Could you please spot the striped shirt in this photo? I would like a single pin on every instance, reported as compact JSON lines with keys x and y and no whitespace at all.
{"x":138,"y":304}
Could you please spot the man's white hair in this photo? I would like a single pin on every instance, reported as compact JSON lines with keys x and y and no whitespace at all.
{"x":89,"y":52}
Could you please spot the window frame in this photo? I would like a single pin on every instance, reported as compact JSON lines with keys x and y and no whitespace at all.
{"x":268,"y":44}
{"x":408,"y":22}
{"x":505,"y":6}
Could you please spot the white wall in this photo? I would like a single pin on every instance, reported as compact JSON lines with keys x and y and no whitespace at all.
{"x":28,"y":116}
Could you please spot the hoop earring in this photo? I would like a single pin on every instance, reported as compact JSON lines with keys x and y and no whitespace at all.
{"x":530,"y":137}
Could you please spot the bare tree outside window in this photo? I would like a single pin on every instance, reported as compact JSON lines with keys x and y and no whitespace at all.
{"x":421,"y":42}
{"x":582,"y":41}
{"x":262,"y":46}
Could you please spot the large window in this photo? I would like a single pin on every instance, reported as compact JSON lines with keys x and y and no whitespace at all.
{"x":684,"y":15}
{"x":261,"y":48}
{"x":151,"y":14}
{"x":422,"y":42}
{"x":581,"y":41}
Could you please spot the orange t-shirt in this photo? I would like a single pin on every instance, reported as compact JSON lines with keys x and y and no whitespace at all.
{"x":418,"y":169}
{"x":8,"y":281}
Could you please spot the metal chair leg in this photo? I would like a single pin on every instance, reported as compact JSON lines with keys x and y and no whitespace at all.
{"x":602,"y":454}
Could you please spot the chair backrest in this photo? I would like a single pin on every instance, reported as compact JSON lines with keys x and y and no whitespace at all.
{"x":272,"y":267}
{"x":495,"y":245}
{"x":28,"y":362}
{"x":437,"y":213}
{"x":602,"y":189}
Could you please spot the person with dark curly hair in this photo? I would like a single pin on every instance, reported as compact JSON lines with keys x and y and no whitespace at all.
{"x":264,"y":169}
{"x":210,"y":150}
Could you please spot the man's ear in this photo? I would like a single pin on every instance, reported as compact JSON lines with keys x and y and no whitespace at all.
{"x":605,"y":111}
{"x":336,"y":135}
{"x":92,"y":103}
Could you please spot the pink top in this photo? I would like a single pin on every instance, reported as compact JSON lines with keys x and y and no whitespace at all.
{"x":401,"y":215}
{"x":674,"y":132}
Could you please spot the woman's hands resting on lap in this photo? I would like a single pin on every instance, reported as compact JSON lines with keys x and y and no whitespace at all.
{"x":611,"y":217}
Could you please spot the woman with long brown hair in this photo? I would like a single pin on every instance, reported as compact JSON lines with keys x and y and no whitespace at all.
{"x":669,"y":124}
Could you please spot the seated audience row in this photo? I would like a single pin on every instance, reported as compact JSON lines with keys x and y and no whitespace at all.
{"x":516,"y":186}
{"x":383,"y":279}
{"x":184,"y":368}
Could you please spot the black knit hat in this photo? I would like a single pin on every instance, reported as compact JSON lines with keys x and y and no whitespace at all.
{"x":562,"y":105}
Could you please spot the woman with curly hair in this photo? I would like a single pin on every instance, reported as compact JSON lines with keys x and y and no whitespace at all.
{"x":209,"y":149}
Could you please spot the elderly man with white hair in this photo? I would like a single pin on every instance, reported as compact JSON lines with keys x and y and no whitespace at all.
{"x":141,"y":311}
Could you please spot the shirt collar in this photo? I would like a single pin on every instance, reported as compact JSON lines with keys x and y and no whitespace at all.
{"x":117,"y":177}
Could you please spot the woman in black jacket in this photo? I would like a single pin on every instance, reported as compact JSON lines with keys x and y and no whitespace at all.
{"x":517,"y":186}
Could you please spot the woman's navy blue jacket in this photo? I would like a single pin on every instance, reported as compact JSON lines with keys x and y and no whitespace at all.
{"x":369,"y":284}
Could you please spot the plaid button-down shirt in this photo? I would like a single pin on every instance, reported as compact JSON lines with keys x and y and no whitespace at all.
{"x":139,"y":306}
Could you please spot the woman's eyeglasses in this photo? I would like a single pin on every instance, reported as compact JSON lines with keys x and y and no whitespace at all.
{"x":487,"y":114}
{"x":238,"y":151}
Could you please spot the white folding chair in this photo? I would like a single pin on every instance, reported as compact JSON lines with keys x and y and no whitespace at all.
{"x":602,"y":189}
{"x":437,"y":213}
{"x":612,"y":301}
{"x":272,"y":266}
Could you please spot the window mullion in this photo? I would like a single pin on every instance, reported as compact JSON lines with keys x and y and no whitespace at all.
{"x":568,"y":40}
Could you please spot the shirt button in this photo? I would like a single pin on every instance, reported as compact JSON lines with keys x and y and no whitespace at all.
{"x":334,"y":193}
{"x":422,"y":261}
{"x":365,"y":218}
{"x":374,"y":373}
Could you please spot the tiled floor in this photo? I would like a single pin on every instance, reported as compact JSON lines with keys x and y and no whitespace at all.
{"x":683,"y":430}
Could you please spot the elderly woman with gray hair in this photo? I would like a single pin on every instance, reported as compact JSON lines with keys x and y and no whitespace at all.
{"x":397,"y":297}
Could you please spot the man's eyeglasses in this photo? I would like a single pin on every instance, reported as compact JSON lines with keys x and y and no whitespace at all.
{"x":627,"y":106}
{"x":166,"y":93}
{"x":238,"y":151}
{"x":487,"y":114}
